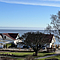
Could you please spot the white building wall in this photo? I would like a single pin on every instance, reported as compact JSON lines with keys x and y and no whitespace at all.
{"x":0,"y":37}
{"x":50,"y":45}
{"x":52,"y":42}
{"x":7,"y":38}
{"x":1,"y":46}
{"x":17,"y":36}
{"x":17,"y":41}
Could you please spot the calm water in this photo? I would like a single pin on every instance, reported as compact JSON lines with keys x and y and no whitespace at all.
{"x":21,"y":32}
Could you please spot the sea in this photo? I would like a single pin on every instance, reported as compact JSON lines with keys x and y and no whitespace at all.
{"x":21,"y":32}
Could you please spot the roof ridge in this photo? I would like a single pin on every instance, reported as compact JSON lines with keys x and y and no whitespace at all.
{"x":7,"y":34}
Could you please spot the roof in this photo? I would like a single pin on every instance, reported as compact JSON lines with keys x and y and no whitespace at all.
{"x":1,"y":34}
{"x":10,"y":35}
{"x":47,"y":38}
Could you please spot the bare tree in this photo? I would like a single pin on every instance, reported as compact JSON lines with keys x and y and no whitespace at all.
{"x":55,"y":25}
{"x":48,"y":29}
{"x":36,"y":40}
{"x":33,"y":40}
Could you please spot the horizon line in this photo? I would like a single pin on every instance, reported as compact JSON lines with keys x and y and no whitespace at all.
{"x":23,"y":28}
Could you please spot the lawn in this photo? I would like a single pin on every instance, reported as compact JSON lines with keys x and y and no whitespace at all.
{"x":58,"y":57}
{"x":24,"y":54}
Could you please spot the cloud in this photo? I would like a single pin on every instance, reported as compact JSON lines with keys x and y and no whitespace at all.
{"x":54,"y":3}
{"x":50,"y":0}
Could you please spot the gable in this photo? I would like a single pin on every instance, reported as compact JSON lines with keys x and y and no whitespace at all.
{"x":14,"y":35}
{"x":11,"y":35}
{"x":53,"y":40}
{"x":47,"y":38}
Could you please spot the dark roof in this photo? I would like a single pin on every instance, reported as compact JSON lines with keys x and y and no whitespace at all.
{"x":1,"y":35}
{"x":11,"y":35}
{"x":47,"y":38}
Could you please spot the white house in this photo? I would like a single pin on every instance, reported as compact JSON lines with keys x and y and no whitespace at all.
{"x":49,"y":40}
{"x":9,"y":38}
{"x":4,"y":42}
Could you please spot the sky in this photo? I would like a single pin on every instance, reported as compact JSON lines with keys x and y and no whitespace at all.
{"x":27,"y":13}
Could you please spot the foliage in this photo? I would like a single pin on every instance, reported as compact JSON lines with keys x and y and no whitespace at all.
{"x":7,"y":45}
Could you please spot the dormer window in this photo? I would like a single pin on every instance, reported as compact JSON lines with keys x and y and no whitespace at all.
{"x":4,"y":37}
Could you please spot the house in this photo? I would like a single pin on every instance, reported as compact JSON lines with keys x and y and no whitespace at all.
{"x":48,"y":40}
{"x":4,"y":42}
{"x":10,"y":38}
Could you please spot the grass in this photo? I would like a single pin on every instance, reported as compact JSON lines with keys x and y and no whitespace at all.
{"x":24,"y":54}
{"x":21,"y":54}
{"x":58,"y":57}
{"x":41,"y":54}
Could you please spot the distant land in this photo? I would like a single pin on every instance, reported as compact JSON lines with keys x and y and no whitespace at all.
{"x":22,"y":28}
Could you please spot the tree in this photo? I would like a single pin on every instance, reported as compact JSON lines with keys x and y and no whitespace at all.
{"x":48,"y":29}
{"x":55,"y":25}
{"x":35,"y":40}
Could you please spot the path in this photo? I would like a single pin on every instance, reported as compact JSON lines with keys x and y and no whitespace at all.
{"x":57,"y":53}
{"x":47,"y":56}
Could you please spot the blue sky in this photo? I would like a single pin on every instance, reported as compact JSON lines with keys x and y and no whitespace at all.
{"x":27,"y":13}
